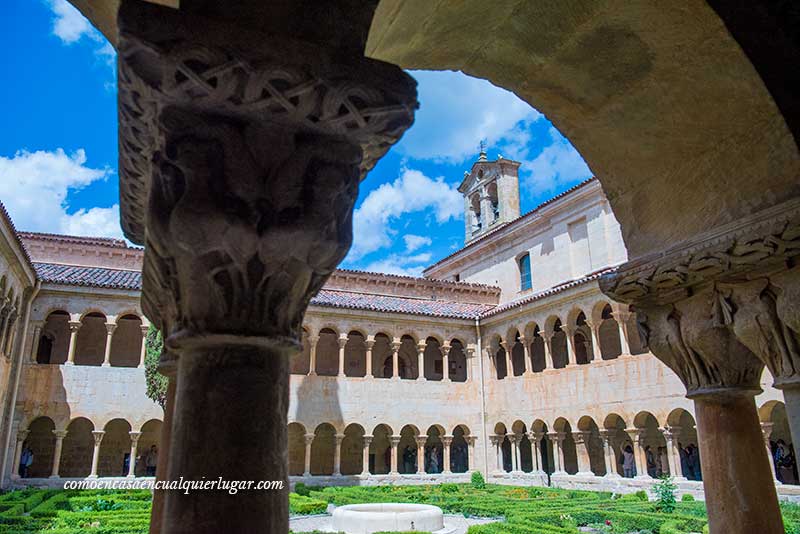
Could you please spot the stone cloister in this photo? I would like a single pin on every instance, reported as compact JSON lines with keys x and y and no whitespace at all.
{"x":245,"y":129}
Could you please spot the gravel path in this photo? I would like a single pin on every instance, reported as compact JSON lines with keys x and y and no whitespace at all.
{"x":458,"y":523}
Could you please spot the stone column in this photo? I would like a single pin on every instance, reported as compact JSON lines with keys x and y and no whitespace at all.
{"x":394,"y":441}
{"x":536,"y":441}
{"x":370,"y":342}
{"x":240,"y":157}
{"x":396,"y":359}
{"x":74,"y":326}
{"x":689,"y":325}
{"x":596,"y":352}
{"x":528,"y":365}
{"x":582,"y":442}
{"x":37,"y":335}
{"x":622,"y":317}
{"x":21,"y":437}
{"x":421,"y":361}
{"x":569,"y":331}
{"x":470,"y":361}
{"x":337,"y":455}
{"x":671,"y":434}
{"x":608,"y":454}
{"x":110,"y":327}
{"x":470,"y":453}
{"x":556,"y":439}
{"x":134,"y":445}
{"x":342,"y":344}
{"x":309,"y":439}
{"x":446,"y":442}
{"x":60,"y":435}
{"x":514,"y":441}
{"x":637,"y":437}
{"x":498,"y":461}
{"x":445,"y":363}
{"x":766,"y":430}
{"x":492,"y":363}
{"x":312,"y":355}
{"x":143,"y":349}
{"x":98,"y":437}
{"x":421,"y":441}
{"x":548,"y":352}
{"x":365,"y":456}
{"x":509,"y":360}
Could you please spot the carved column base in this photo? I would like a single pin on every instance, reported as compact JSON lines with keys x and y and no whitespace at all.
{"x":244,"y":440}
{"x":740,"y":493}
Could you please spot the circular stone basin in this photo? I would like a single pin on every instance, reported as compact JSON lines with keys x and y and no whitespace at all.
{"x":367,"y":518}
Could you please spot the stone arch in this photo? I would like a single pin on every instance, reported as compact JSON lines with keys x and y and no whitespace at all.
{"x":651,"y":440}
{"x":408,"y":360}
{"x":619,"y":439}
{"x":568,"y":450}
{"x":536,"y":348}
{"x":582,"y":339}
{"x":459,"y":449}
{"x":381,"y":450}
{"x":381,"y":351}
{"x":352,"y":450}
{"x":608,"y":332}
{"x":457,"y":361}
{"x":773,"y":419}
{"x":433,"y":359}
{"x":594,"y":444}
{"x":90,"y":343}
{"x":517,"y":353}
{"x":150,"y":437}
{"x":126,"y":341}
{"x":546,"y":459}
{"x":355,"y":354}
{"x":53,"y":345}
{"x":407,"y":461}
{"x":558,"y":344}
{"x":682,"y":424}
{"x":77,"y":449}
{"x":300,"y":360}
{"x":296,"y":436}
{"x":41,"y":442}
{"x":525,"y":459}
{"x":434,"y":450}
{"x":115,"y":449}
{"x":327,"y":352}
{"x":323,"y":449}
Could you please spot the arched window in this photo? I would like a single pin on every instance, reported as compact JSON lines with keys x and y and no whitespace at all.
{"x":525,"y":272}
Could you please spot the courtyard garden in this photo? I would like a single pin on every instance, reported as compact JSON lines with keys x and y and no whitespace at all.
{"x":518,"y":510}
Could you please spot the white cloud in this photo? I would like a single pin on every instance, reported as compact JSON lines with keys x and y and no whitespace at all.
{"x":71,"y":26}
{"x":415,"y":242}
{"x":558,"y":165}
{"x":401,"y":264}
{"x":35,"y":190}
{"x":411,"y":192}
{"x":456,"y":112}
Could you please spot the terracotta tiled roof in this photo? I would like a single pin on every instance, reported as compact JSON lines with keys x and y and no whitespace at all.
{"x":547,"y":292}
{"x":79,"y":240}
{"x":511,"y":223}
{"x":132,"y":280}
{"x":88,"y":276}
{"x":414,"y":306}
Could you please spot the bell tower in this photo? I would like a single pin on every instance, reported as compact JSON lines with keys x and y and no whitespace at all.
{"x":491,"y":194}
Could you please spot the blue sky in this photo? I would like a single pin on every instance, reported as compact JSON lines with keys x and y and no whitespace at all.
{"x":58,"y":146}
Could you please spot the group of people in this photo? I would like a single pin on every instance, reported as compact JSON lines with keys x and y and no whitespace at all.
{"x":784,"y":461}
{"x":150,"y":460}
{"x":658,"y":461}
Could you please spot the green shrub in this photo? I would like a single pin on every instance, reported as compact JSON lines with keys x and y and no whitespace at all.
{"x":664,"y":491}
{"x":477,"y":481}
{"x":302,"y":489}
{"x":687,"y":497}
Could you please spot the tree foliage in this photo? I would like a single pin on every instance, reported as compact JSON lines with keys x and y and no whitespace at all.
{"x":156,"y":382}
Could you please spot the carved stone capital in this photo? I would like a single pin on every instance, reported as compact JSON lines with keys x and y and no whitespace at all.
{"x":580,"y":437}
{"x":60,"y":434}
{"x":74,"y":326}
{"x":22,"y":435}
{"x":692,"y":338}
{"x":395,"y":440}
{"x":98,"y":436}
{"x":241,"y":155}
{"x":309,"y":438}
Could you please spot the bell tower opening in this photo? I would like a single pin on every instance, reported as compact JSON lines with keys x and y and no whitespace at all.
{"x":491,"y":194}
